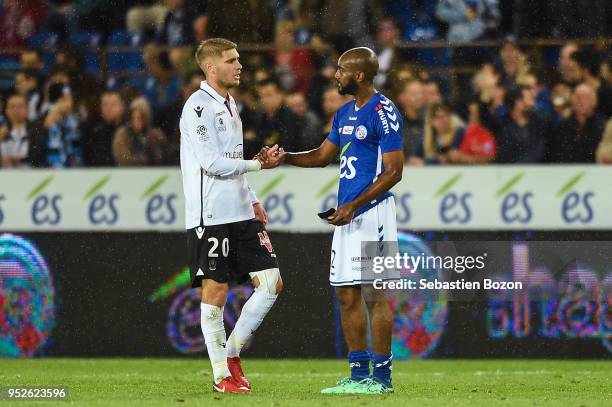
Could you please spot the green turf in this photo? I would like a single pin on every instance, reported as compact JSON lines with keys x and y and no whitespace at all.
{"x":151,"y":382}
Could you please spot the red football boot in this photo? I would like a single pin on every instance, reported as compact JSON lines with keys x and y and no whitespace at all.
{"x":229,"y":385}
{"x":235,"y":369}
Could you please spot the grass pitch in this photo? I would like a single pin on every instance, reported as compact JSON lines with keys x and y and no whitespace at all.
{"x":175,"y":382}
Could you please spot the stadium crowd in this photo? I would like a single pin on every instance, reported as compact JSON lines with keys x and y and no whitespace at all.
{"x":63,"y":106}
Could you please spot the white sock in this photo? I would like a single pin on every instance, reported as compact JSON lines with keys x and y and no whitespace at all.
{"x":214,"y":336}
{"x":253,"y":312}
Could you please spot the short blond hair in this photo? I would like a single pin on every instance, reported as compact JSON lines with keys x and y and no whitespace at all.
{"x":212,"y":48}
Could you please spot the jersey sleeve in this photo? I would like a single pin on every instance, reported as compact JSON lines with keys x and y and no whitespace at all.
{"x":198,"y":134}
{"x":389,"y":126}
{"x":334,"y":134}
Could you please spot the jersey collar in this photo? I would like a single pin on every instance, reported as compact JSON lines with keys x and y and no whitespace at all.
{"x":213,"y":93}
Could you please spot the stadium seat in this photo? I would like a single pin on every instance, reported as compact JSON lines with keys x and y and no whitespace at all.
{"x":42,"y":39}
{"x":92,"y":62}
{"x":124,"y":38}
{"x":8,"y":63}
{"x":125,"y":61}
{"x":85,"y":39}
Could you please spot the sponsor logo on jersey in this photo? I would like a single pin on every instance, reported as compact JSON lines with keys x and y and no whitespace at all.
{"x":220,"y":113}
{"x":385,"y":104}
{"x":212,"y":264}
{"x":347,"y":130}
{"x":198,"y":110}
{"x":236,"y":154}
{"x":362,"y":132}
{"x":383,"y":120}
{"x":352,"y":118}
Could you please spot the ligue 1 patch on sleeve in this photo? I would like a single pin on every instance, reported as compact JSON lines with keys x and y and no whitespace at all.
{"x":362,"y":132}
{"x":202,"y":133}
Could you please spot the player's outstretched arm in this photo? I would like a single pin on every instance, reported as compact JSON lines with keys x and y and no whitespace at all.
{"x":319,"y":157}
{"x":394,"y":165}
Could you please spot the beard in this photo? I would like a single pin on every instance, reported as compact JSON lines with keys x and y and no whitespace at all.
{"x":349,"y":89}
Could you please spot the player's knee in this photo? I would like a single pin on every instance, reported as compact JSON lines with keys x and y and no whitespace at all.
{"x":267,"y":280}
{"x":214,"y":293}
{"x":348,"y":297}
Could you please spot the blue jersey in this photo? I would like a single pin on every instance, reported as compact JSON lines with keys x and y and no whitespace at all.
{"x":363,"y":136}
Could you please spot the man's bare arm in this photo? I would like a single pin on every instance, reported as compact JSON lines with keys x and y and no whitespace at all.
{"x":319,"y":157}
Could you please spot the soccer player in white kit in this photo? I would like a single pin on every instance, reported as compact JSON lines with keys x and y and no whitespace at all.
{"x":225,"y":222}
{"x":367,"y":134}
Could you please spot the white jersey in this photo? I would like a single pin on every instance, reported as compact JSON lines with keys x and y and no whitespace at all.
{"x":215,"y":187}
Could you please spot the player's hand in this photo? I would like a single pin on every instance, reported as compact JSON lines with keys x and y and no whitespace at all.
{"x":342,"y":216}
{"x":270,"y":157}
{"x":260,"y":214}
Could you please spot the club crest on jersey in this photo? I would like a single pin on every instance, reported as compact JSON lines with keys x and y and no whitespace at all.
{"x":220,"y":124}
{"x":198,"y":110}
{"x":264,"y":240}
{"x":361,"y":132}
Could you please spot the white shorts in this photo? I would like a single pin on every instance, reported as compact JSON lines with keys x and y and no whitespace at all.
{"x":351,"y":258}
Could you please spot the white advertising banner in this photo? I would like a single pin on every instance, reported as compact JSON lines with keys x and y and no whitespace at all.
{"x":427,"y":198}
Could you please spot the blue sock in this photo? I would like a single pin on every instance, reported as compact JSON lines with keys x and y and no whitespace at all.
{"x":382,"y":368}
{"x":359,"y":362}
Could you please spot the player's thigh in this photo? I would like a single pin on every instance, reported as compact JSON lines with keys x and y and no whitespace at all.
{"x":254,"y":250}
{"x":209,"y":254}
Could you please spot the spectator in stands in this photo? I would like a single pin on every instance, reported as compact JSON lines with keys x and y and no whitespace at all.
{"x":431,"y":92}
{"x":387,"y":37}
{"x":441,"y":135}
{"x":478,"y":145}
{"x":19,"y":19}
{"x":605,"y":70}
{"x":411,"y":105}
{"x":60,"y":143}
{"x":275,"y":123}
{"x":162,"y":86}
{"x":97,"y":143}
{"x":521,"y":135}
{"x":576,"y":139}
{"x":603,"y":155}
{"x":311,"y":134}
{"x":26,"y":84}
{"x":146,"y":16}
{"x":332,"y":101}
{"x":512,"y":62}
{"x":31,"y":58}
{"x":466,"y":18}
{"x":293,"y":66}
{"x":138,"y":143}
{"x":168,"y":118}
{"x":17,"y":135}
{"x":585,"y":64}
{"x":565,"y":66}
{"x":178,"y":24}
{"x":542,"y":94}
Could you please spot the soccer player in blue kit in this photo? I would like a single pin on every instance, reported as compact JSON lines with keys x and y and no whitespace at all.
{"x":367,"y":133}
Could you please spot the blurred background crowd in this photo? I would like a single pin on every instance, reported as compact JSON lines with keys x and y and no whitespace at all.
{"x":102,"y":83}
